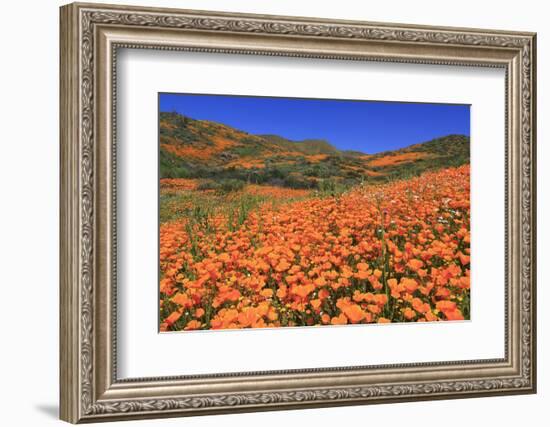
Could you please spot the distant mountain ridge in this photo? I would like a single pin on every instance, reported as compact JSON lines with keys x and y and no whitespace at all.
{"x":203,"y":149}
{"x":306,"y":146}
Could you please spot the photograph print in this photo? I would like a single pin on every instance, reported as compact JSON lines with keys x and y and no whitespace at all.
{"x":289,"y":212}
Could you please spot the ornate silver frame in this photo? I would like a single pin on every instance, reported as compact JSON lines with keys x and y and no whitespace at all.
{"x":90,"y":36}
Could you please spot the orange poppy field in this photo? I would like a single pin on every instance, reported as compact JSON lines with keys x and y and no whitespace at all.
{"x":260,"y":255}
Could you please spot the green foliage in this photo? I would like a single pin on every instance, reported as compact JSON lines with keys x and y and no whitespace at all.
{"x":318,"y":171}
{"x":179,"y":129}
{"x":200,"y":207}
{"x":207,"y":184}
{"x":222,"y":186}
{"x":238,"y":212}
{"x":231,"y":185}
{"x":307,"y":146}
{"x":297,"y":181}
{"x":331,"y":187}
{"x":250,"y":150}
{"x":172,"y":166}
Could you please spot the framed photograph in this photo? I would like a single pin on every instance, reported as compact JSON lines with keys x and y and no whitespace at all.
{"x":267,"y":212}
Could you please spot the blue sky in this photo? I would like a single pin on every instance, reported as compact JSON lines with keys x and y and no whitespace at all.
{"x":367,"y":126}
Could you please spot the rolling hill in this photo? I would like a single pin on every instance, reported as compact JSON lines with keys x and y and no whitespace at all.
{"x":203,"y":149}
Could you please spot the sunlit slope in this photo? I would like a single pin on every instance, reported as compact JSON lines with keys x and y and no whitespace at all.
{"x":202,"y":149}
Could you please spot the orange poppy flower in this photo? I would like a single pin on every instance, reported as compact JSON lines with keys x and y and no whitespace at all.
{"x":182,"y":299}
{"x":282,"y":266}
{"x":361,"y":266}
{"x":415,"y":264}
{"x":446,"y":305}
{"x":353,"y":312}
{"x":303,"y":290}
{"x":410,"y":285}
{"x":315,"y":303}
{"x":193,"y":324}
{"x":173,"y":317}
{"x":268,"y":293}
{"x":454,"y":315}
{"x":341,"y":319}
{"x":282,"y":291}
{"x":409,"y":313}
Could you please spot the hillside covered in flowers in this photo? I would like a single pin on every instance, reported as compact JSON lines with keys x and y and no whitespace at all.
{"x":251,"y":255}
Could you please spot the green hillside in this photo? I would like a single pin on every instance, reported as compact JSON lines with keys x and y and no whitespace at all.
{"x":207,"y":150}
